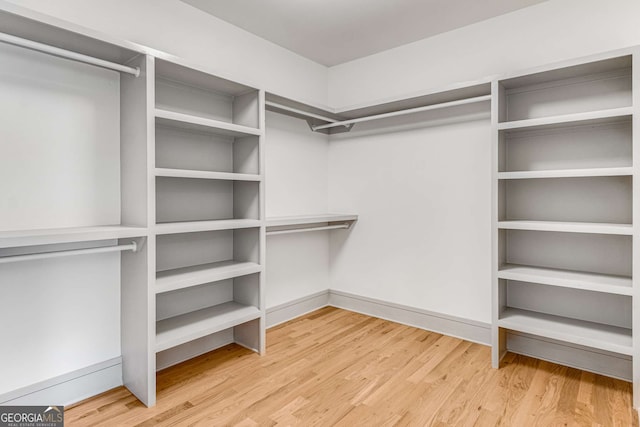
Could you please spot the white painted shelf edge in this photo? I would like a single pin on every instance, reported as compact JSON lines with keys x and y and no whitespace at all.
{"x":212,"y":225}
{"x":18,"y":238}
{"x":590,"y":334}
{"x":187,"y":121}
{"x":567,"y":173}
{"x":568,"y":227}
{"x":179,"y":278}
{"x":566,"y":118}
{"x":619,"y":285}
{"x":187,"y":327}
{"x":197,"y":174}
{"x":310,"y":219}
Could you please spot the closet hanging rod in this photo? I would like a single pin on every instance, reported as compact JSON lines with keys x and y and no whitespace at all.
{"x":404,"y":112}
{"x":304,"y":230}
{"x":300,"y":112}
{"x":63,"y":53}
{"x":43,"y":255}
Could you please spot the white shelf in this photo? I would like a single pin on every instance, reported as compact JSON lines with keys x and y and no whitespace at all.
{"x":179,"y":278}
{"x":186,"y":173}
{"x":186,"y":121}
{"x":188,"y":327}
{"x":598,"y":116}
{"x":51,"y":236}
{"x":310,"y":219}
{"x":212,"y":225}
{"x":567,"y":173}
{"x":590,"y":334}
{"x":568,"y":279}
{"x":568,"y":227}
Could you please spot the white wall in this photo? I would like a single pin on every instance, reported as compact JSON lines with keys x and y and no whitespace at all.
{"x":296,"y":183}
{"x":552,"y":31}
{"x":177,"y":28}
{"x":423,"y":194}
{"x":422,"y":191}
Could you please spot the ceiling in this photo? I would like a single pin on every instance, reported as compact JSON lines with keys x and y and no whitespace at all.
{"x":331,"y":32}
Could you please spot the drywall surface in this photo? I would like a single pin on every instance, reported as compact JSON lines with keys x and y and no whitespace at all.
{"x":58,"y":316}
{"x":422,"y":189}
{"x":551,"y":31}
{"x":296,"y":183}
{"x":182,"y":30}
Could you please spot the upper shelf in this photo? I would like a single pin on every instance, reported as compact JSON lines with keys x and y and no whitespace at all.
{"x":310,"y":219}
{"x":568,"y":227}
{"x":217,"y":127}
{"x":567,"y":173}
{"x":187,"y":173}
{"x":37,"y":27}
{"x":209,"y":225}
{"x":51,"y":236}
{"x":597,"y":117}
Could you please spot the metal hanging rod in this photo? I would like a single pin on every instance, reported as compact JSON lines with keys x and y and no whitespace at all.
{"x":63,"y":53}
{"x":404,"y":112}
{"x":300,"y":112}
{"x":304,"y":230}
{"x":133,"y":246}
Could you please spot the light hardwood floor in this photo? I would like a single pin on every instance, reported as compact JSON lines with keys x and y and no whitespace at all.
{"x":335,"y":367}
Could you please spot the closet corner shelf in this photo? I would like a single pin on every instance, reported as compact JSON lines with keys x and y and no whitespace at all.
{"x":51,"y":236}
{"x":611,"y":284}
{"x":600,"y":116}
{"x":590,"y":334}
{"x":310,"y":219}
{"x":187,"y":327}
{"x":211,"y":225}
{"x":187,"y":121}
{"x":568,"y":227}
{"x":567,"y":173}
{"x":197,"y":174}
{"x":179,"y":278}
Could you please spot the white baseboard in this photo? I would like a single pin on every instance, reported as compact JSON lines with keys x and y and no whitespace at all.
{"x":576,"y":356}
{"x":69,"y":388}
{"x":449,"y":325}
{"x":465,"y":329}
{"x":290,"y":310}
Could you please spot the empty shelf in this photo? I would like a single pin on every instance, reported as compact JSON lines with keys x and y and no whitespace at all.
{"x":186,"y":173}
{"x":566,"y":278}
{"x":601,"y":116}
{"x":188,"y":327}
{"x":209,"y":225}
{"x":187,"y":121}
{"x":590,"y":334}
{"x":567,"y":173}
{"x":51,"y":236}
{"x":179,"y":278}
{"x":309,"y":219}
{"x":568,"y":227}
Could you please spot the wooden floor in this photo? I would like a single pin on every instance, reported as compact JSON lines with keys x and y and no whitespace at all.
{"x":335,"y":367}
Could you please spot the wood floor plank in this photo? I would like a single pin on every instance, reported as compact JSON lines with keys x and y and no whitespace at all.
{"x":335,"y":367}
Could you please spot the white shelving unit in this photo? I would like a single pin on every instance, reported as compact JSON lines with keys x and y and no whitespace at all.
{"x":209,"y":213}
{"x":565,"y":208}
{"x":82,"y":189}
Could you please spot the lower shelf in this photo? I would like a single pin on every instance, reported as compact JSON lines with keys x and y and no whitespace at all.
{"x":190,"y":326}
{"x":179,"y":278}
{"x":590,"y":334}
